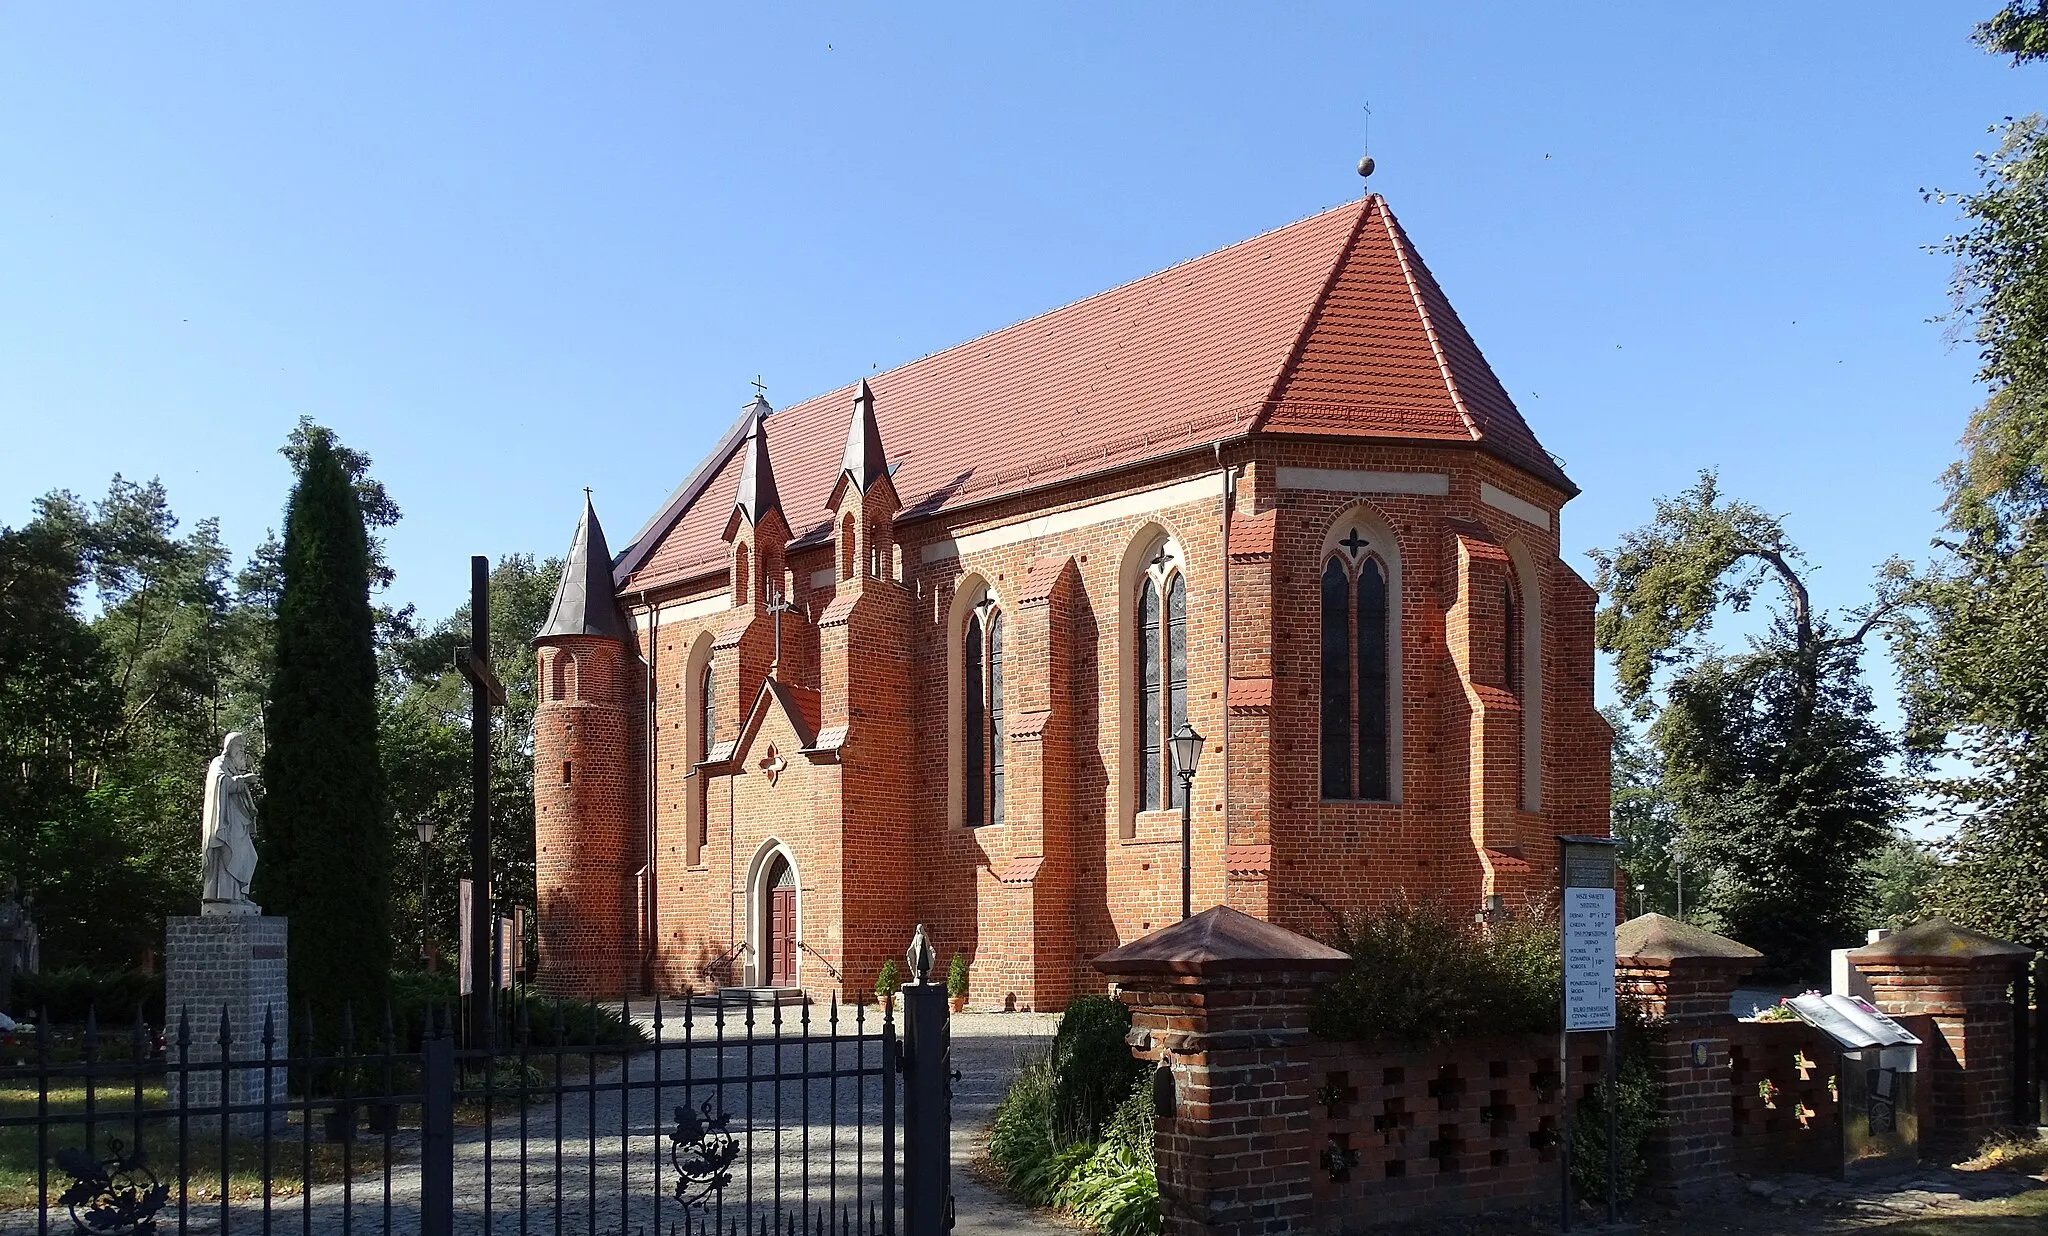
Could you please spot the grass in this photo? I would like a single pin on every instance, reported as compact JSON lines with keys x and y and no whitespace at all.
{"x":2011,"y":1216}
{"x":2024,"y":1153}
{"x":201,"y":1169}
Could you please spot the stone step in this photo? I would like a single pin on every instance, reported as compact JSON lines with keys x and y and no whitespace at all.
{"x":758,"y":996}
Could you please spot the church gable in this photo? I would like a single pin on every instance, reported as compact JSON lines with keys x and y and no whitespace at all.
{"x":783,"y":716}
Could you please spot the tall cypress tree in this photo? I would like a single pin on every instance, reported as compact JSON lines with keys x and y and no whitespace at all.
{"x":325,"y":854}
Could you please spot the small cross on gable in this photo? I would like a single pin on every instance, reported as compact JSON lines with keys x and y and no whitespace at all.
{"x":1353,"y":543}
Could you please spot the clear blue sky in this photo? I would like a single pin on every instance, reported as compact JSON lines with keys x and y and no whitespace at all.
{"x":512,"y":250}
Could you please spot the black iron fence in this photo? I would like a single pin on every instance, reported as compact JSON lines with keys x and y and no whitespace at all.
{"x":652,"y":1117}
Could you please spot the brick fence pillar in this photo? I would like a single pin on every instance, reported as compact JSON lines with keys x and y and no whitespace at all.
{"x":1220,"y":1004}
{"x":1683,"y":977}
{"x":1960,"y":979}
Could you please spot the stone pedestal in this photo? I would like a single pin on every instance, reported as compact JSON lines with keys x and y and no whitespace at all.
{"x":1219,"y":1003}
{"x":1960,"y":979}
{"x":1683,"y":978}
{"x":224,"y":981}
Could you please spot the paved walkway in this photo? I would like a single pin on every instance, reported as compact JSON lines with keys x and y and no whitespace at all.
{"x":597,"y":1163}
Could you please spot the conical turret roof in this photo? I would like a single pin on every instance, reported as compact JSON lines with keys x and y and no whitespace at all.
{"x":585,"y":602}
{"x":863,"y":461}
{"x":756,"y":496}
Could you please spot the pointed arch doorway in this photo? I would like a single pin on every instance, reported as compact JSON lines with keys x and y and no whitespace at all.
{"x":779,"y":921}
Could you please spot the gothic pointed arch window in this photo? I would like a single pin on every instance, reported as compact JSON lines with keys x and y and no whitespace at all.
{"x":981,"y":688}
{"x":1357,"y":723}
{"x":1159,"y":671}
{"x":700,"y":727}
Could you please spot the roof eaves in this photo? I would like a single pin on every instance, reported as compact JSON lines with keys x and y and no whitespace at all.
{"x":1436,"y":347}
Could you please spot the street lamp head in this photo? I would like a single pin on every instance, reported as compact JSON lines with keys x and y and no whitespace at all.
{"x":1187,"y":749}
{"x":425,"y":828}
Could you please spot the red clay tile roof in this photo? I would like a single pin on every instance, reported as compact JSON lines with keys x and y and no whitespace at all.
{"x":1327,"y":326}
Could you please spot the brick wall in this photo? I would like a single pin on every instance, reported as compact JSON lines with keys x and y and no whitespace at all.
{"x":1076,"y":868}
{"x":1470,"y":1126}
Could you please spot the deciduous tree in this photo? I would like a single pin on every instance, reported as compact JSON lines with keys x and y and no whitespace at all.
{"x":1773,"y":763}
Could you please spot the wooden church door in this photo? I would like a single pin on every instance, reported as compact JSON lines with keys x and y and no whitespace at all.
{"x":782,"y":927}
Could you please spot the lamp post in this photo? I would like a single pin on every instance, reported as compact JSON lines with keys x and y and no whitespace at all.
{"x":425,"y":829}
{"x":1187,"y":752}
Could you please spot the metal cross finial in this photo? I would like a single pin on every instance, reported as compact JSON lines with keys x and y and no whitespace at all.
{"x":759,"y":389}
{"x":778,"y":605}
{"x":1355,"y":543}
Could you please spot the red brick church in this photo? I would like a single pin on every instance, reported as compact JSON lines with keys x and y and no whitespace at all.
{"x":911,"y":650}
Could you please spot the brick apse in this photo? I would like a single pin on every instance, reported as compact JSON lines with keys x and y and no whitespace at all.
{"x":909,"y":651}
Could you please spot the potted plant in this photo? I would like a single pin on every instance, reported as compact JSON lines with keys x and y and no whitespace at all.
{"x":956,"y":982}
{"x":887,"y":982}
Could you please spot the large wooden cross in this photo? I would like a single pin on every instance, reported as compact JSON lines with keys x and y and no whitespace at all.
{"x":485,"y":692}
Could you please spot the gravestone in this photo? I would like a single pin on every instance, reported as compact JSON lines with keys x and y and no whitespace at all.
{"x":224,"y":971}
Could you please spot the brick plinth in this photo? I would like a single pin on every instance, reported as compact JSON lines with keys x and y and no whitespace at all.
{"x":1960,"y":979}
{"x":1683,"y":977}
{"x":1221,"y":1001}
{"x":223,"y":977}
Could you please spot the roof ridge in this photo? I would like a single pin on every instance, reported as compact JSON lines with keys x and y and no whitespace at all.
{"x":1066,"y":305}
{"x":1311,"y":319}
{"x":1399,"y":239}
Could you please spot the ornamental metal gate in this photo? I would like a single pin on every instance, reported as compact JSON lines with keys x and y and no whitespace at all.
{"x":683,"y":1117}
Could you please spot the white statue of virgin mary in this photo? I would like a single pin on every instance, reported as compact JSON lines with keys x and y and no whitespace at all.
{"x":227,"y":833}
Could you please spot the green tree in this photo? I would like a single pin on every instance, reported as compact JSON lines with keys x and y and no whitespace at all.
{"x":1772,"y":760}
{"x":425,"y":724}
{"x":1641,"y":817}
{"x":1974,"y":659}
{"x":325,"y":841}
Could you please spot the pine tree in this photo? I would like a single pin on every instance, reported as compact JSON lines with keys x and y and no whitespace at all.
{"x":325,"y":852}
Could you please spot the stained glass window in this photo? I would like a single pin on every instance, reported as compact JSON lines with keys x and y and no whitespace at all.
{"x":1372,"y":680}
{"x":1150,"y":750}
{"x":974,"y":719}
{"x":1336,"y":711}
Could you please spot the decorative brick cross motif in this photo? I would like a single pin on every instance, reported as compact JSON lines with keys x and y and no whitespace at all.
{"x":773,"y":764}
{"x":1354,"y":543}
{"x":1160,"y":559}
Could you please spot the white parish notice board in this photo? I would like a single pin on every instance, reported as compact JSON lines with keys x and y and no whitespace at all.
{"x":1589,"y":959}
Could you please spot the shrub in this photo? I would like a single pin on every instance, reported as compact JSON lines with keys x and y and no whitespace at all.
{"x":1109,"y":1184}
{"x":1635,"y":1120}
{"x":888,"y":981}
{"x":1020,"y":1138}
{"x":1092,"y":1067}
{"x":1424,"y":974}
{"x":552,"y":1022}
{"x":65,"y":995}
{"x":1115,"y":1191}
{"x":956,"y":978}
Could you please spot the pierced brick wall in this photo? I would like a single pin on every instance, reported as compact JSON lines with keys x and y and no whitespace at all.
{"x":1467,"y":1127}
